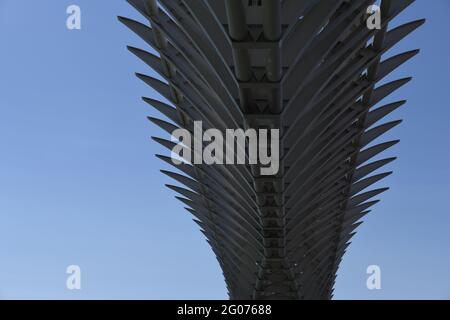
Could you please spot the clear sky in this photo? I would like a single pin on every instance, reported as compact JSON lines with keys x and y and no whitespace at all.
{"x":79,"y":183}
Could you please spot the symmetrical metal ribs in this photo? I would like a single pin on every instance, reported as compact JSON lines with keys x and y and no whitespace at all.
{"x":309,"y":68}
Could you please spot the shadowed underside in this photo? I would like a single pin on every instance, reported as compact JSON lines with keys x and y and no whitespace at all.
{"x":309,"y":68}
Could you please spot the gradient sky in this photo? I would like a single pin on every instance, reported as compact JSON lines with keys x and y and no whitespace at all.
{"x":79,"y":183}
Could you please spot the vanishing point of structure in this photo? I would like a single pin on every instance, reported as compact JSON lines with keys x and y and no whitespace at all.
{"x":309,"y":68}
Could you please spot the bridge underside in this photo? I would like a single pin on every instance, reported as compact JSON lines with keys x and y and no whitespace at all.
{"x":309,"y":68}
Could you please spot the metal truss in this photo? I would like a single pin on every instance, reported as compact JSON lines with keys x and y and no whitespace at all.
{"x":309,"y":68}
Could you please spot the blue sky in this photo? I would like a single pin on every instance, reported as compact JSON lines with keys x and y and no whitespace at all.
{"x":79,"y":183}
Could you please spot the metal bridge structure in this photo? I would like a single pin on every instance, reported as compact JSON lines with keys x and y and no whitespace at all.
{"x":310,"y":68}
